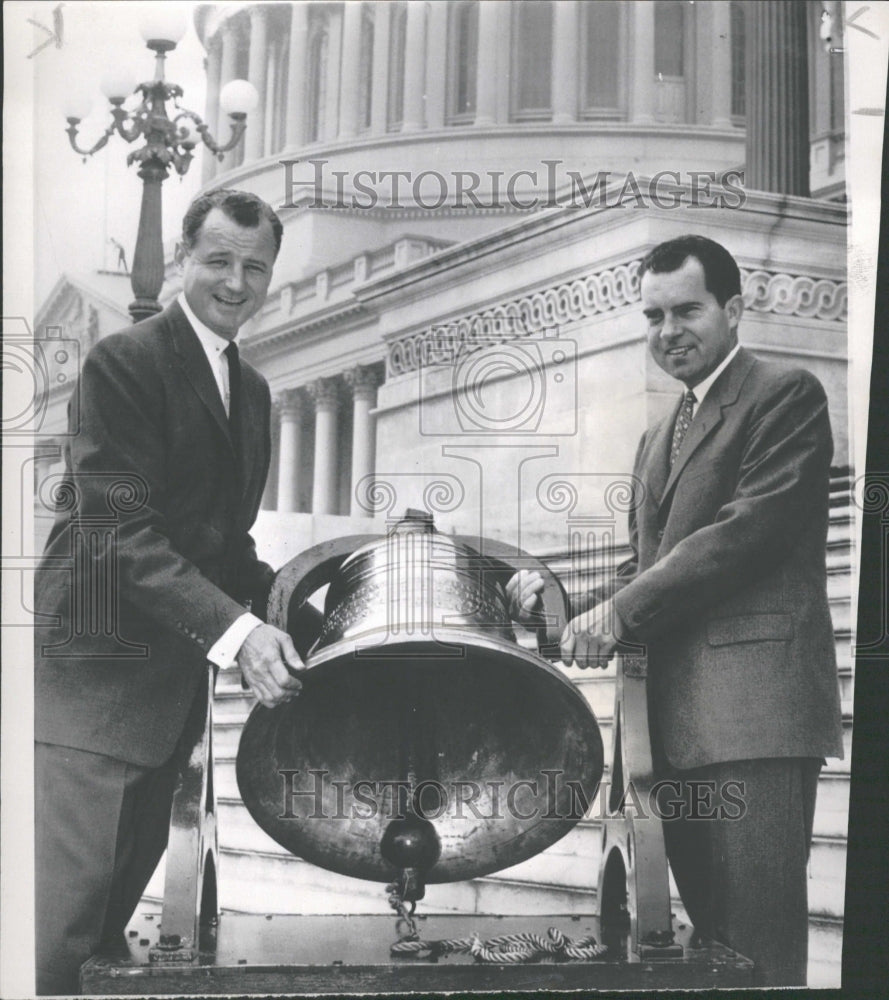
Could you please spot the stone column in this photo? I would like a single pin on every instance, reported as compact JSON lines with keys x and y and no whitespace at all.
{"x":777,"y":98}
{"x":351,"y":64}
{"x":721,"y":64}
{"x":486,"y":68}
{"x":436,"y":65}
{"x":379,"y":102}
{"x":415,"y":67}
{"x":289,"y":458}
{"x":642,"y":106}
{"x":566,"y":41}
{"x":296,"y":82}
{"x":256,"y":74}
{"x":228,"y":71}
{"x":325,"y":395}
{"x":211,"y":114}
{"x":363,"y":381}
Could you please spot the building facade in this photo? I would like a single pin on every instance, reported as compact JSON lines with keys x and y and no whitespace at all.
{"x":467,"y":189}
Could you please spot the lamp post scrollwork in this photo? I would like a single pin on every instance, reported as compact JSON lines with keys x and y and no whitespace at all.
{"x":169,"y":143}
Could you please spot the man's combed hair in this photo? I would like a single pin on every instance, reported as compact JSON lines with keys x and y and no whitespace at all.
{"x":240,"y":206}
{"x":721,"y":274}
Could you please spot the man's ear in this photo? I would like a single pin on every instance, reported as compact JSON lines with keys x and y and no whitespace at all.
{"x":179,"y":255}
{"x":734,"y":309}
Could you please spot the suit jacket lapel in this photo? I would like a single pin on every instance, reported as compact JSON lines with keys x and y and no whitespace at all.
{"x":723,"y":393}
{"x":659,"y":461}
{"x":254,"y":423}
{"x":197,"y":368}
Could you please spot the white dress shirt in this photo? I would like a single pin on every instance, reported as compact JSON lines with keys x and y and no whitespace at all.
{"x":214,"y":347}
{"x":703,"y":387}
{"x":224,"y":651}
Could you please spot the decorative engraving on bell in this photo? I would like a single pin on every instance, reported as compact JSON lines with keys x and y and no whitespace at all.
{"x":425,"y":738}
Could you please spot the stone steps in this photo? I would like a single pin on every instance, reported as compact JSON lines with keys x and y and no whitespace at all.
{"x":570,"y":864}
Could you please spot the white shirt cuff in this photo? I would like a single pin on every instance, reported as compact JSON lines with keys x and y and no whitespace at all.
{"x":224,"y":651}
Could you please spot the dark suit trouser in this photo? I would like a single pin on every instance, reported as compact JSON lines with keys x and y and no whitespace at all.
{"x":743,"y":881}
{"x":101,"y":828}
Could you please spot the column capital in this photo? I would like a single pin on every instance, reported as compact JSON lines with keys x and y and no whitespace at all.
{"x":290,"y":402}
{"x":325,"y":393}
{"x":363,"y":380}
{"x":257,"y":11}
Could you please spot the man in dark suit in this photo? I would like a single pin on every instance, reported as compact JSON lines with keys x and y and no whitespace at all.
{"x":726,"y":589}
{"x":169,"y":450}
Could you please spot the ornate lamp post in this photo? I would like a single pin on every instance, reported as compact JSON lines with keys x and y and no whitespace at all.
{"x":168,"y":141}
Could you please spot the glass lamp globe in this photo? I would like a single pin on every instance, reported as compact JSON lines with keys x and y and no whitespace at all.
{"x":118,"y":84}
{"x":238,"y":97}
{"x":163,"y":24}
{"x":77,"y":105}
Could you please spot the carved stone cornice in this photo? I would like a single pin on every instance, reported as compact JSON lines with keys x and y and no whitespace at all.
{"x":795,"y":295}
{"x":769,"y":292}
{"x":549,"y":307}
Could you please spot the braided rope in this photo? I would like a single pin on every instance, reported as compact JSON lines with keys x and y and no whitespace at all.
{"x":507,"y":948}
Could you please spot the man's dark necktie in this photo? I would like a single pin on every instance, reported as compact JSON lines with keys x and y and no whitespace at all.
{"x":234,"y":392}
{"x":683,"y":422}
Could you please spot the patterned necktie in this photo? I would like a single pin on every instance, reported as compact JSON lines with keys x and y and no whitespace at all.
{"x":234,"y":390}
{"x":683,"y":422}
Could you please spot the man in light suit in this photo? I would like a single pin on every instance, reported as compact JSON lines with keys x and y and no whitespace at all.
{"x":726,"y":589}
{"x":171,"y":438}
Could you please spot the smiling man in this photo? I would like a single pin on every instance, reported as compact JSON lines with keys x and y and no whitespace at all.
{"x":170,"y":444}
{"x":726,"y":589}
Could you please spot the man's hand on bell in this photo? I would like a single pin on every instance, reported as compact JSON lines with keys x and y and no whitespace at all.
{"x":588,"y":640}
{"x":266,"y":659}
{"x":524,"y":592}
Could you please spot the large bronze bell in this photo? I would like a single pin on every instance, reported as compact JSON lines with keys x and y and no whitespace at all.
{"x":427,"y":744}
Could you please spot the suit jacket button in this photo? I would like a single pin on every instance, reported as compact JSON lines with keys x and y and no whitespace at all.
{"x":202,"y":642}
{"x":660,"y":534}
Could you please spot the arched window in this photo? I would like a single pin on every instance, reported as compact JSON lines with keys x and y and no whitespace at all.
{"x":317,"y":84}
{"x":365,"y":69}
{"x":397,"y":37}
{"x":463,"y":60}
{"x":739,"y":45}
{"x":532,"y":57}
{"x":602,"y":48}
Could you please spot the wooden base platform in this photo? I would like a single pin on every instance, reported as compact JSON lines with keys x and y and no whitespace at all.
{"x":300,"y":955}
